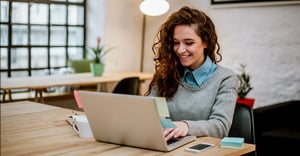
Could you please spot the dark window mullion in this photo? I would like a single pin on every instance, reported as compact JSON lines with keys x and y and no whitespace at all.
{"x":48,"y":45}
{"x":67,"y":33}
{"x":9,"y":39}
{"x":29,"y":41}
{"x":84,"y":29}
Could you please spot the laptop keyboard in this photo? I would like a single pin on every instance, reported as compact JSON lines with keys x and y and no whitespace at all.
{"x":171,"y":141}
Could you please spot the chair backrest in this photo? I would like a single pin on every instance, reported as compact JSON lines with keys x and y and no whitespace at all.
{"x":80,"y":66}
{"x":129,"y":85}
{"x":243,"y":123}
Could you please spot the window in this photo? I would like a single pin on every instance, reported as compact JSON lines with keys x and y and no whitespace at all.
{"x":38,"y":37}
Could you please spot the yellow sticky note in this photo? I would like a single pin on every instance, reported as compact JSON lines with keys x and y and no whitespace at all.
{"x":162,"y":106}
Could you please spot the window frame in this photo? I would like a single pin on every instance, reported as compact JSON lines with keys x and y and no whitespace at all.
{"x":48,"y":68}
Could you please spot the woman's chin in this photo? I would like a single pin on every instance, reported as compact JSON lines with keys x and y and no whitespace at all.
{"x":185,"y":63}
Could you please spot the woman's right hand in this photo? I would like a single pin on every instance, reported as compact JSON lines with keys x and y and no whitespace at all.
{"x":181,"y":130}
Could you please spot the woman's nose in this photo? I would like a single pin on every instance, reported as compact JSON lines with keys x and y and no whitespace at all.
{"x":181,"y":49}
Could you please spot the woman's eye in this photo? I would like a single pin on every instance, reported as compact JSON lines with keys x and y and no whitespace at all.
{"x":189,"y":43}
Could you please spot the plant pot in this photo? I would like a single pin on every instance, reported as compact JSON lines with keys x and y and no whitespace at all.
{"x":97,"y":69}
{"x":246,"y":101}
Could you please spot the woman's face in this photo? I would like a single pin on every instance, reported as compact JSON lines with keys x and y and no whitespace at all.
{"x":188,"y":46}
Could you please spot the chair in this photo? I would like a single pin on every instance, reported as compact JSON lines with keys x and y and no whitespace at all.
{"x":129,"y":85}
{"x":277,"y":128}
{"x":243,"y":124}
{"x":80,"y":66}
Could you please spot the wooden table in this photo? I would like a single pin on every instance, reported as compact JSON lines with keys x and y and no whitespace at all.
{"x":29,"y":128}
{"x":40,"y":83}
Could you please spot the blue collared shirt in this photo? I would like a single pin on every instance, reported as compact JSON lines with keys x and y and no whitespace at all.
{"x":201,"y":74}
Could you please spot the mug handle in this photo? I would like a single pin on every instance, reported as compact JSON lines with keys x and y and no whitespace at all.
{"x":75,"y":126}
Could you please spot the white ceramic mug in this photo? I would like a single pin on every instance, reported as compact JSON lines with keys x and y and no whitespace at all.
{"x":82,"y":127}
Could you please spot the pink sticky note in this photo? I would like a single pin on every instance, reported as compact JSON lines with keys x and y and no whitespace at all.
{"x":79,"y":104}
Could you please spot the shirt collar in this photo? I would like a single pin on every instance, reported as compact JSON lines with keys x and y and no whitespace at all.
{"x":202,"y":72}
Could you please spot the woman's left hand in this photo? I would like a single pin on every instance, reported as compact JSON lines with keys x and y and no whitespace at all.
{"x":181,"y":130}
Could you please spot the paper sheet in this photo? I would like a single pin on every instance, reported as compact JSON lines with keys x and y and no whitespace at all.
{"x":162,"y":106}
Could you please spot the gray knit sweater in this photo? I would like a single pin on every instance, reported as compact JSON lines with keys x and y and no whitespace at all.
{"x":207,"y":109}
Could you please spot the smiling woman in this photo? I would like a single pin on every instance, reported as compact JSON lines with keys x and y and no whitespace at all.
{"x":201,"y":95}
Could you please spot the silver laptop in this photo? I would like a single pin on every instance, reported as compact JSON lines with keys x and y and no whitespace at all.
{"x":130,"y":120}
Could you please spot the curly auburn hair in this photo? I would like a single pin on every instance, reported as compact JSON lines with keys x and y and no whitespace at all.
{"x":168,"y":68}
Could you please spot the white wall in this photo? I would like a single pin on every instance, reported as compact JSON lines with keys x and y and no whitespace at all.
{"x":123,"y":27}
{"x":120,"y":29}
{"x":265,"y":37}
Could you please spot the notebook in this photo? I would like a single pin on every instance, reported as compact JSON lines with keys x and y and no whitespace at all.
{"x":130,"y":120}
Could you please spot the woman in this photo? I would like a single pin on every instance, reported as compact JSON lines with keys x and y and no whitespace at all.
{"x":200,"y":94}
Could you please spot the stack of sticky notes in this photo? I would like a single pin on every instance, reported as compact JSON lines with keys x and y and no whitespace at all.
{"x":232,"y":142}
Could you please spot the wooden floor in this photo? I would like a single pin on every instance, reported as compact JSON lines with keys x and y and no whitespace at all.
{"x":62,"y":100}
{"x":61,"y":97}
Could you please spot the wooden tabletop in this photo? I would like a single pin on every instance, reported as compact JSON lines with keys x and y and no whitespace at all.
{"x":39,"y":83}
{"x":29,"y":128}
{"x":46,"y":81}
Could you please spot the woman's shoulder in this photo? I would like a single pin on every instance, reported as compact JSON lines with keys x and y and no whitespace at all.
{"x":227,"y":76}
{"x":225,"y":71}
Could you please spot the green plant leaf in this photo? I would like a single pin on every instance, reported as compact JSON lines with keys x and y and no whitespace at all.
{"x":244,"y":80}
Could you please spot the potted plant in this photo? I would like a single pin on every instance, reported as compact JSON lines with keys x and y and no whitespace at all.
{"x":244,"y":87}
{"x":97,"y":67}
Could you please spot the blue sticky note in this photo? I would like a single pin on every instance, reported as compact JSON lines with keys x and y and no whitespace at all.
{"x":167,"y":123}
{"x":232,"y":142}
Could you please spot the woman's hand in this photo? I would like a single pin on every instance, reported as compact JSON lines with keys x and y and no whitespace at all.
{"x":181,"y":130}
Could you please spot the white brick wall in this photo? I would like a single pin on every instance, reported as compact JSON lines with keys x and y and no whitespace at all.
{"x":267,"y":39}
